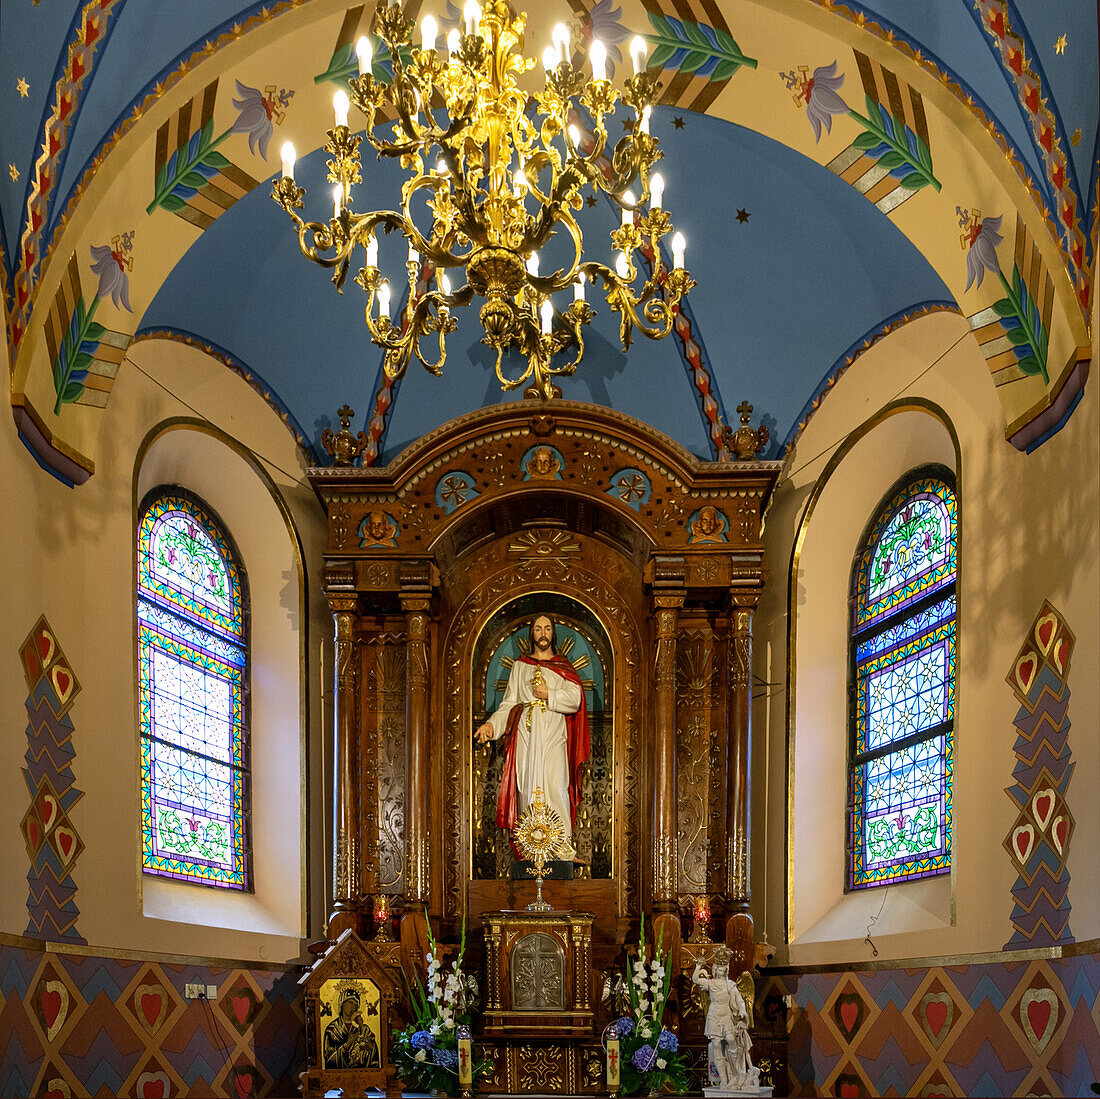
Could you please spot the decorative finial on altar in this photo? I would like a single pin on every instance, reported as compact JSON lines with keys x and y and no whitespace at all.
{"x":342,"y":445}
{"x":746,"y":442}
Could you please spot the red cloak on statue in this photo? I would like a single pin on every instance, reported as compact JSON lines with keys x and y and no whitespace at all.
{"x":578,"y":745}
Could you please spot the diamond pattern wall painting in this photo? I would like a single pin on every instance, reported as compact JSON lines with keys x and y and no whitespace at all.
{"x":192,"y":692}
{"x":903,"y":684}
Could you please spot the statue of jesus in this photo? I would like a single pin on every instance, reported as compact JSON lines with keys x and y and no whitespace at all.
{"x":544,"y":721}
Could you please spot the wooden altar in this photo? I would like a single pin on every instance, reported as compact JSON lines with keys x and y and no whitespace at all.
{"x":653,"y":560}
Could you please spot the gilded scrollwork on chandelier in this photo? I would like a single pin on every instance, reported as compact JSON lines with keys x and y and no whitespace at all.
{"x":498,"y":176}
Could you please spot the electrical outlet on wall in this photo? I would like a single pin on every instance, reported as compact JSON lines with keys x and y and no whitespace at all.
{"x":194,"y":992}
{"x":211,"y":992}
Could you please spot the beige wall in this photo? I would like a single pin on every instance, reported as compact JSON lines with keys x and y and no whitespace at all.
{"x":1028,"y":531}
{"x":70,"y":555}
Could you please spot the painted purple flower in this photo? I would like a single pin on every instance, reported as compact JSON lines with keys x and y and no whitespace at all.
{"x":644,"y":1058}
{"x":982,"y":239}
{"x":112,"y":270}
{"x":603,"y":22}
{"x":822,"y":101}
{"x":258,"y":114}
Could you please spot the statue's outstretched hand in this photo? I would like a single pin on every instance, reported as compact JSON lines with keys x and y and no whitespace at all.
{"x":484,"y":733}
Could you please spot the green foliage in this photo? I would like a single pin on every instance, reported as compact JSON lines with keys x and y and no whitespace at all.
{"x":76,"y":354}
{"x":694,"y":48}
{"x":894,"y":146}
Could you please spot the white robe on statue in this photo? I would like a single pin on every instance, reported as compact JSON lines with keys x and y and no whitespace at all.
{"x":541,"y":756}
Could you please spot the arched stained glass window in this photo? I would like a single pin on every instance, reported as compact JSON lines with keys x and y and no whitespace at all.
{"x":902,"y":676}
{"x":192,"y":695}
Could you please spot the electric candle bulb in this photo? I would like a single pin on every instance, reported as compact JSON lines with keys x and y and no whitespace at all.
{"x":454,"y":41}
{"x":533,"y":264}
{"x":429,"y":28}
{"x":575,"y":137}
{"x":519,"y":183}
{"x":597,"y":55}
{"x":638,"y":51}
{"x":384,"y":300}
{"x":372,"y":251}
{"x":340,"y":106}
{"x":337,"y":199}
{"x":472,"y":14}
{"x":622,"y":268}
{"x":288,"y":160}
{"x":365,"y":52}
{"x":646,"y":112}
{"x":628,"y":200}
{"x":578,"y":288}
{"x":560,"y":37}
{"x":414,"y":255}
{"x":445,"y":283}
{"x":678,"y":245}
{"x":547,"y":316}
{"x":656,"y":190}
{"x":549,"y":59}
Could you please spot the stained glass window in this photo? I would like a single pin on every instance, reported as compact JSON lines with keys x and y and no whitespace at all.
{"x":902,"y":660}
{"x":192,"y":695}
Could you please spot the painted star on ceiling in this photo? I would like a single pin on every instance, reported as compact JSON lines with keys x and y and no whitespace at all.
{"x":13,"y":171}
{"x":1075,"y":140}
{"x":678,"y":122}
{"x":743,"y":216}
{"x":23,"y":87}
{"x":1060,"y":45}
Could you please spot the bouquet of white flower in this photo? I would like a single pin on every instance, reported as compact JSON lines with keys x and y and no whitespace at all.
{"x":426,"y":1054}
{"x":649,"y":1054}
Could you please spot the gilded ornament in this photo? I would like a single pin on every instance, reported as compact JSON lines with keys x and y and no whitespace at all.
{"x":342,"y":445}
{"x":538,"y":834}
{"x":746,"y":442}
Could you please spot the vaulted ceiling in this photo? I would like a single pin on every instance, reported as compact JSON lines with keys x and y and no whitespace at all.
{"x":838,"y":170}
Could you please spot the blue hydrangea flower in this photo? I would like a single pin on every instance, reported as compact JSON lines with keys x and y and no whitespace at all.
{"x":422,"y":1039}
{"x":447,"y":1058}
{"x":645,"y":1058}
{"x":624,"y":1026}
{"x":667,"y":1040}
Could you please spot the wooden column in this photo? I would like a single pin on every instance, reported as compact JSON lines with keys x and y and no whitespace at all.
{"x":666,"y":607}
{"x":737,"y":760}
{"x":346,"y":883}
{"x":418,"y":787}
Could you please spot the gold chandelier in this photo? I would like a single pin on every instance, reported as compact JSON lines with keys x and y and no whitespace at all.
{"x":496,"y":192}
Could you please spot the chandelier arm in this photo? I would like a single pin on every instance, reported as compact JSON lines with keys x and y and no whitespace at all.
{"x":507,"y":383}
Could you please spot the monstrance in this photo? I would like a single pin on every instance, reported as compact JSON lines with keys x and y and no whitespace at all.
{"x":539,"y":832}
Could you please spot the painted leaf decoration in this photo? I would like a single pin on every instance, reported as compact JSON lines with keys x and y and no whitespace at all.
{"x":72,"y":391}
{"x":866,"y":140}
{"x":914,"y":181}
{"x":1030,"y":365}
{"x":1004,"y":308}
{"x":1018,"y":335}
{"x":171,"y":203}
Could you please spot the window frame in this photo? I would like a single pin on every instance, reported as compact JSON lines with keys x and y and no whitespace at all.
{"x":217,"y":530}
{"x":890,"y":505}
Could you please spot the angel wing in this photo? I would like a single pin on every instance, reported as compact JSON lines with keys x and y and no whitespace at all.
{"x":747,"y":987}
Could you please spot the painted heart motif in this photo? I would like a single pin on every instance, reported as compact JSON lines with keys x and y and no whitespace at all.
{"x":65,"y":840}
{"x":1024,"y":672}
{"x":57,"y":1089}
{"x":1039,"y":1016}
{"x":34,"y":833}
{"x":1060,"y":834}
{"x":46,"y":646}
{"x":848,"y":1084}
{"x":151,"y":1005}
{"x":848,"y":1011}
{"x":1042,"y":807}
{"x":47,"y":811}
{"x":1045,"y":629}
{"x":30,"y":662}
{"x":1023,"y":842}
{"x":243,"y":1082}
{"x":938,"y":1011}
{"x":241,"y":1005}
{"x":62,"y":680}
{"x":154,"y":1085}
{"x":1062,"y":648}
{"x":55,"y":1007}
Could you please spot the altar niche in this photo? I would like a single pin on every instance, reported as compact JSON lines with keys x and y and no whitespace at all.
{"x":584,"y":642}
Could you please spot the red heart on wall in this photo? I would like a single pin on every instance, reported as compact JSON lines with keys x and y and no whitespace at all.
{"x":1023,"y":840}
{"x":34,"y":833}
{"x":1060,"y":834}
{"x":51,"y":1005}
{"x":1061,"y":653}
{"x":150,"y":1007}
{"x":936,"y":1014}
{"x":1042,"y":805}
{"x":1044,"y":631}
{"x":244,"y":1084}
{"x":47,"y":810}
{"x":62,"y":680}
{"x":46,"y":646}
{"x":153,"y":1085}
{"x":242,"y":1005}
{"x":1025,"y":671}
{"x":65,"y":840}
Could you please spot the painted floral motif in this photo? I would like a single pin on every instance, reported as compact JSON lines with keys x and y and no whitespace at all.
{"x":111,"y":265}
{"x":259,"y":113}
{"x":885,"y":139}
{"x":189,"y":168}
{"x":1017,"y":310}
{"x":694,"y":48}
{"x":602,"y":22}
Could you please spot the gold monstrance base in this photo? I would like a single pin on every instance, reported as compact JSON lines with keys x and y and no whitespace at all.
{"x":538,"y":833}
